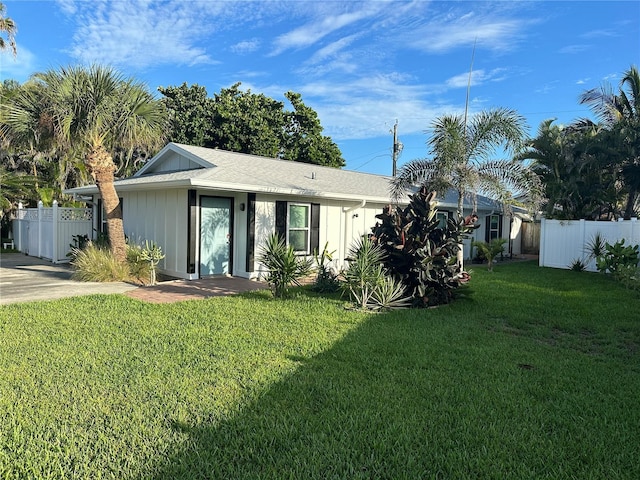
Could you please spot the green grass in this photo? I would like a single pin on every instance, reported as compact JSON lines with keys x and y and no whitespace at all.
{"x":535,"y":374}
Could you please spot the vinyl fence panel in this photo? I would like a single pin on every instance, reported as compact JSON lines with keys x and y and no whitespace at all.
{"x":47,"y":232}
{"x":564,"y":241}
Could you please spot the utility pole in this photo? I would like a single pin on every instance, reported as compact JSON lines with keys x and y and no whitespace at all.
{"x":397,"y":148}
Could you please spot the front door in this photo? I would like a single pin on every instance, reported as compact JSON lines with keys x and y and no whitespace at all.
{"x":215,"y":236}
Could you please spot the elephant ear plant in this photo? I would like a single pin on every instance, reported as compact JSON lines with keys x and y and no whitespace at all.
{"x":419,"y":252}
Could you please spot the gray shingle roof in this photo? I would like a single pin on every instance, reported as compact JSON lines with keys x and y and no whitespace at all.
{"x":241,"y":172}
{"x":231,"y":171}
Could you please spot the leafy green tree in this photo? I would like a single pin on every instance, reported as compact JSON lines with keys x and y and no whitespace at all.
{"x":90,"y":113}
{"x":304,"y":141}
{"x":7,"y":27}
{"x":246,"y":122}
{"x":190,"y":114}
{"x":620,"y":114}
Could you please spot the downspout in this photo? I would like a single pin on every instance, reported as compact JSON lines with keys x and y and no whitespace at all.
{"x":346,"y":210}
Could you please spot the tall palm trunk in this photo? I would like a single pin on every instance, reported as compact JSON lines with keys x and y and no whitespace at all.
{"x":460,"y":254}
{"x":102,"y":169}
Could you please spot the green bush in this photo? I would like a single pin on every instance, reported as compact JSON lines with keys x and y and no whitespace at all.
{"x":419,"y":252}
{"x":618,"y":257}
{"x":490,"y":250}
{"x":284,"y":268}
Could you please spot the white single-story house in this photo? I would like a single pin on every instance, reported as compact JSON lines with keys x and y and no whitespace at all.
{"x":211,"y":210}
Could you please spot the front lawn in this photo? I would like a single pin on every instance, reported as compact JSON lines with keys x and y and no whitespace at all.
{"x":536,"y":374}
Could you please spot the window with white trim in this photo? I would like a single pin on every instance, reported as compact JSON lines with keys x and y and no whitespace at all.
{"x":494,"y":227}
{"x":299,"y":227}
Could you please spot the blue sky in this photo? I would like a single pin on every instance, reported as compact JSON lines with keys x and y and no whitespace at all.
{"x":360,"y":65}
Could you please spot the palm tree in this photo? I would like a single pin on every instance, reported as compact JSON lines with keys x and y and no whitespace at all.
{"x":91,"y":113}
{"x":8,"y":27}
{"x":620,"y":114}
{"x":461,"y":158}
{"x":574,"y":169}
{"x":14,"y":187}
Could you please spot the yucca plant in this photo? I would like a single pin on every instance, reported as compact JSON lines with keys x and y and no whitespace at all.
{"x":365,"y":272}
{"x":283,"y":267}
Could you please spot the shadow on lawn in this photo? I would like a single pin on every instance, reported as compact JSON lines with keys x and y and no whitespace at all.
{"x":345,"y":413}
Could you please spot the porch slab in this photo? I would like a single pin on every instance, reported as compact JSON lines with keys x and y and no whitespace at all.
{"x":180,"y":290}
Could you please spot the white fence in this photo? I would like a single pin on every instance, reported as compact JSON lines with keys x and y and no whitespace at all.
{"x":564,"y":241}
{"x":47,"y":232}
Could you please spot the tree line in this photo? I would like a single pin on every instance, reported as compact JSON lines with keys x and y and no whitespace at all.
{"x":75,"y":125}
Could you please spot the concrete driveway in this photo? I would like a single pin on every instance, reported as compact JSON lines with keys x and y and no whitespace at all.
{"x":25,"y":279}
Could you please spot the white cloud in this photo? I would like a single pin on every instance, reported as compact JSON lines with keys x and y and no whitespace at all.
{"x":17,"y":68}
{"x":322,"y":25}
{"x":573,"y":49}
{"x":141,"y":33}
{"x":600,"y":34}
{"x":582,"y":81}
{"x":246,"y":46}
{"x":443,"y":34}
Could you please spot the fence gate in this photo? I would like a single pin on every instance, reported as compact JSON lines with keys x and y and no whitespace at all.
{"x":530,"y":238}
{"x":47,"y":232}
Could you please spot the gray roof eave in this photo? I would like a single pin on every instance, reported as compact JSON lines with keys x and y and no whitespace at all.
{"x":125,"y":185}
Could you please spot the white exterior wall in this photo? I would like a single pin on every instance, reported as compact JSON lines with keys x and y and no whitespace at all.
{"x":159,"y":216}
{"x":162,"y":216}
{"x":341,"y":223}
{"x":564,"y":241}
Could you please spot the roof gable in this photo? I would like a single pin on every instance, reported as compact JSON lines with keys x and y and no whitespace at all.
{"x":172,"y":158}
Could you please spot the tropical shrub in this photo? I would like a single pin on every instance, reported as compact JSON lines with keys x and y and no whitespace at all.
{"x":490,"y":250}
{"x":419,"y":252}
{"x":326,"y":278}
{"x":283,"y":267}
{"x":618,"y":257}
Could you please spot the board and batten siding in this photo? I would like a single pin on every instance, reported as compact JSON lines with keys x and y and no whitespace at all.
{"x":159,"y":216}
{"x":341,"y":224}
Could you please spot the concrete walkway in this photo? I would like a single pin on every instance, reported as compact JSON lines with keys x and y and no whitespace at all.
{"x":25,"y":279}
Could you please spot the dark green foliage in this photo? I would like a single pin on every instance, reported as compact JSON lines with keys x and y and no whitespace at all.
{"x":283,"y":267}
{"x":420,"y":253}
{"x":247,"y":122}
{"x":618,"y":257}
{"x":577,"y":265}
